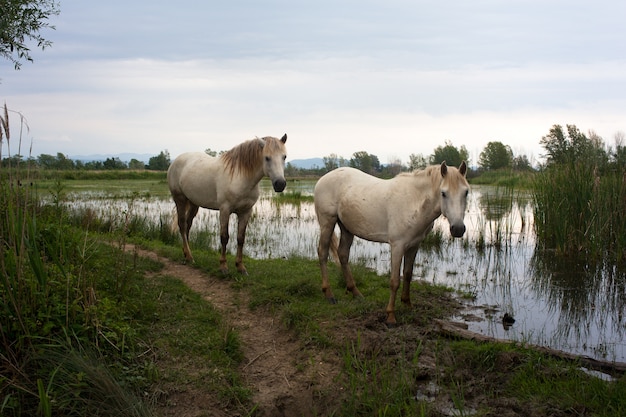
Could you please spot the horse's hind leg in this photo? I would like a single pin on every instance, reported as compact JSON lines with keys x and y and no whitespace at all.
{"x":394,"y":284}
{"x":185,"y":213}
{"x":224,"y":218}
{"x":409,"y":261}
{"x":192,"y":210}
{"x":241,"y":239}
{"x":345,"y":242}
{"x":327,"y":230}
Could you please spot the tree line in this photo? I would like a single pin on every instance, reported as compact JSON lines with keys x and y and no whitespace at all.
{"x":60,"y":161}
{"x":562,"y":145}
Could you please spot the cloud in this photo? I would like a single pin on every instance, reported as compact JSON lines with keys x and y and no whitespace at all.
{"x":392,"y":79}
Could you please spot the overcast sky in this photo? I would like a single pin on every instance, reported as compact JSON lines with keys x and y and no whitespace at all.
{"x":388,"y":77}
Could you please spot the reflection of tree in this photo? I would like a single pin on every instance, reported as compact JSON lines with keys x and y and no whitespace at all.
{"x":588,"y":295}
{"x":496,"y":205}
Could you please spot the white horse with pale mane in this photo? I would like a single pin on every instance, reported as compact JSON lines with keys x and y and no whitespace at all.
{"x":228,"y":183}
{"x":400,"y":211}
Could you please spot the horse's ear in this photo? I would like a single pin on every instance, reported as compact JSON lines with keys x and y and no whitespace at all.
{"x":463,"y":168}
{"x":261,"y":142}
{"x":284,"y":138}
{"x":444,"y":169}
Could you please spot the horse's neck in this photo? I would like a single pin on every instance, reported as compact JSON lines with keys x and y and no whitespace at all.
{"x":250,"y":180}
{"x":429,"y":191}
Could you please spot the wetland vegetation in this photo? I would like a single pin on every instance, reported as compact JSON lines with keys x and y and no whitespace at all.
{"x":74,"y":299}
{"x":90,"y":328}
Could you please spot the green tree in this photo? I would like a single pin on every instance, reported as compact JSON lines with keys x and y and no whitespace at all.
{"x":521,"y":163}
{"x":417,"y":161}
{"x":495,"y":155}
{"x":94,"y":165}
{"x":333,"y":161}
{"x":46,"y":161}
{"x":114,"y":163}
{"x":136,"y":164}
{"x":23,"y":20}
{"x":60,"y":161}
{"x":573,"y":146}
{"x":364,"y":161}
{"x":450,"y":154}
{"x":161,"y":162}
{"x":393,"y":168}
{"x":63,"y":162}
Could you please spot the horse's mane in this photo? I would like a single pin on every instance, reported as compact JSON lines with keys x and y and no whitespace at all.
{"x":246,"y":157}
{"x":432,"y":172}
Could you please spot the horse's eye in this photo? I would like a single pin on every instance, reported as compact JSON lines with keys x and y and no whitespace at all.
{"x":466,"y":193}
{"x":284,"y":157}
{"x":443,"y":194}
{"x":267,"y":159}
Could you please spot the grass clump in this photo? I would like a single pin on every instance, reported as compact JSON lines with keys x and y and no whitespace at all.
{"x":579,"y":211}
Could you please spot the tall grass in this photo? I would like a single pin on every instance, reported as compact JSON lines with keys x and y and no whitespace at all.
{"x":56,"y":325}
{"x":579,"y":211}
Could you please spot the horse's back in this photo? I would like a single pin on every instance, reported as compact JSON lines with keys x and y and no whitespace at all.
{"x":347,"y":189}
{"x":344,"y":181}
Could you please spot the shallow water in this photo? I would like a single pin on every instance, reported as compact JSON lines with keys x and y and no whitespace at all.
{"x":562,"y":305}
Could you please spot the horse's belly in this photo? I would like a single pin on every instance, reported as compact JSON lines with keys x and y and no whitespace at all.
{"x":364,"y":221}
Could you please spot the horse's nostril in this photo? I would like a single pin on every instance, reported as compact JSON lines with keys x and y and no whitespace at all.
{"x":457,"y":230}
{"x":279,"y":185}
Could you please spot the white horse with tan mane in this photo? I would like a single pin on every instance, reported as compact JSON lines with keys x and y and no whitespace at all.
{"x":400,"y":211}
{"x":228,"y":183}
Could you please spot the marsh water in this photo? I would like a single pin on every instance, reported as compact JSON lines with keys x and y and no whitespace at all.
{"x":563,"y":305}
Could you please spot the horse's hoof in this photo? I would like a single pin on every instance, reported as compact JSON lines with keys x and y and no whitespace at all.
{"x":332,"y":300}
{"x":507,"y":321}
{"x":391,"y":325}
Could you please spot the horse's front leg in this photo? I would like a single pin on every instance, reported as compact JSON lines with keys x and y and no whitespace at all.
{"x":394,"y":284}
{"x":224,"y":217}
{"x":409,"y":261}
{"x":241,"y":239}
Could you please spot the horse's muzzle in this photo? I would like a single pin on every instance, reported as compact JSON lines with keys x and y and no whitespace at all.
{"x":279,"y":185}
{"x":457,"y":230}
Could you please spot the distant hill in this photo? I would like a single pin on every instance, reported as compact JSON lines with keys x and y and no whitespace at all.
{"x":124,"y":157}
{"x":307,"y":163}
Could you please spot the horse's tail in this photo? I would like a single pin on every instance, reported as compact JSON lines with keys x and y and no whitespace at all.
{"x":334,"y":244}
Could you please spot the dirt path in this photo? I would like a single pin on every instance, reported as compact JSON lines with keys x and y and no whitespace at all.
{"x":286,"y":378}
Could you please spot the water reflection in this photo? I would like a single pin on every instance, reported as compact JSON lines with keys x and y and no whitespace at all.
{"x":564,"y":305}
{"x":590,"y":301}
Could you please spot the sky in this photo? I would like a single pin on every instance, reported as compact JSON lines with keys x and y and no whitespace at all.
{"x":389,"y":77}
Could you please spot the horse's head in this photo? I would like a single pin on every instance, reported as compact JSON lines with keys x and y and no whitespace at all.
{"x":274,"y":155}
{"x":454,"y":189}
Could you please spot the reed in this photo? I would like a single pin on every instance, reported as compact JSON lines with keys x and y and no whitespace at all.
{"x":54,"y":301}
{"x":579,"y":211}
